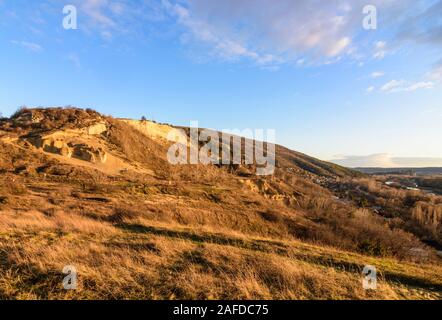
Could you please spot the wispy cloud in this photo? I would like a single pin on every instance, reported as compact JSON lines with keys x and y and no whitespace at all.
{"x":225,"y":47}
{"x":392,"y":85}
{"x":424,"y":25}
{"x":436,"y":73}
{"x":404,"y":86}
{"x":377,"y":74}
{"x":97,"y":10}
{"x":380,"y":50}
{"x":420,"y":85}
{"x":31,"y":46}
{"x":111,"y":18}
{"x":313,"y":31}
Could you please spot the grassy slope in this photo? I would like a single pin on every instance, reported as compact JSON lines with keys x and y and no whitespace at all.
{"x":153,"y":261}
{"x":149,"y":254}
{"x":191,"y":232}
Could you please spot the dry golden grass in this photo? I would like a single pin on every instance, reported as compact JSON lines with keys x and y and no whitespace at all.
{"x":203,"y":232}
{"x":145,"y":260}
{"x":175,"y":242}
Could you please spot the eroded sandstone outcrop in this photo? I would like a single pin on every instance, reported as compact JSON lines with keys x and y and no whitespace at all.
{"x":71,"y":144}
{"x":96,"y":129}
{"x":88,"y":153}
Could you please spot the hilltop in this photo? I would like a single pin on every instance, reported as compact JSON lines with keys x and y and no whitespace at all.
{"x":83,"y":189}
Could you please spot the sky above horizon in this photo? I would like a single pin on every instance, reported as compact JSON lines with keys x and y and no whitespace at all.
{"x":308,"y":69}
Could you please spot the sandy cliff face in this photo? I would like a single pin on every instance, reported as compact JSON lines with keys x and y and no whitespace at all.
{"x":78,"y":144}
{"x":155,"y":131}
{"x":73,"y":143}
{"x":82,"y":143}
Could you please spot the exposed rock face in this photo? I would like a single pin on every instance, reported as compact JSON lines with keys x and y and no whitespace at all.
{"x":70,"y":147}
{"x":156,"y":131}
{"x":58,"y":147}
{"x":88,"y":153}
{"x":96,"y":129}
{"x":52,"y":145}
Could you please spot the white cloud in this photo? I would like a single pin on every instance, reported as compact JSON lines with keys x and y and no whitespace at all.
{"x":379,"y":54}
{"x":226,"y":48}
{"x":392,"y":85}
{"x":338,"y":47}
{"x":370,"y":89}
{"x":267,"y":33}
{"x":109,"y":18}
{"x":380,"y":45}
{"x":420,"y":85}
{"x":380,"y":50}
{"x":404,"y":86}
{"x":34,"y":47}
{"x":377,"y":74}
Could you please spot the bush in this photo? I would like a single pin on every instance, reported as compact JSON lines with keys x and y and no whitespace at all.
{"x":373,"y":248}
{"x":19,"y":111}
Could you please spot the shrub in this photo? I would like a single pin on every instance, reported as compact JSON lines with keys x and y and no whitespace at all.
{"x":373,"y":248}
{"x":19,"y":112}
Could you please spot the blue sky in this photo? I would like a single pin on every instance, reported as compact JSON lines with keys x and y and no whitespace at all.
{"x":306,"y":68}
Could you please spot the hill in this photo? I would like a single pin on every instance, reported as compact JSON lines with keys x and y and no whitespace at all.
{"x":416,"y":171}
{"x":86,"y":190}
